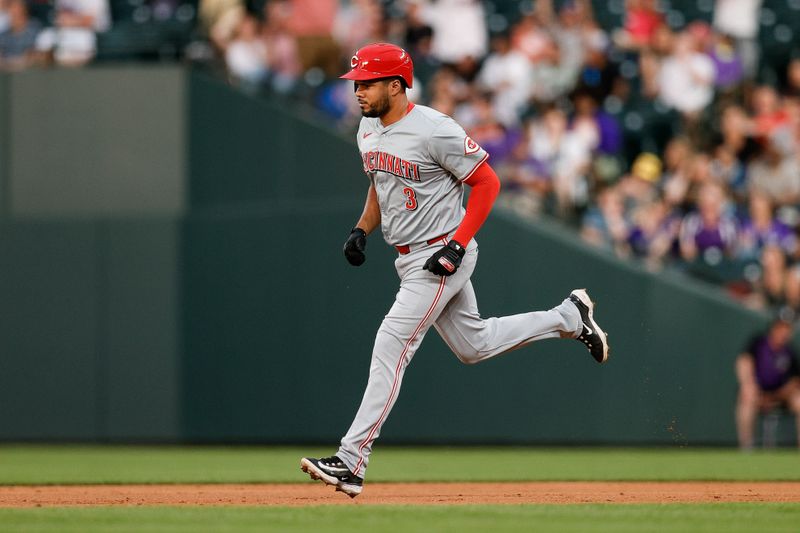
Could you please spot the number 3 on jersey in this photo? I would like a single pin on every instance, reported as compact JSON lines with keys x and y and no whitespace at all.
{"x":411,"y":198}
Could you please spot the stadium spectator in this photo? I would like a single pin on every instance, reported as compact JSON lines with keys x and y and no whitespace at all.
{"x":761,"y":229}
{"x":357,"y":23}
{"x":792,"y":83}
{"x":552,"y":78}
{"x":246,"y":55}
{"x":524,"y":176}
{"x":686,"y":78}
{"x":598,"y":74}
{"x":564,"y":156}
{"x":608,"y":127}
{"x":219,"y":20}
{"x":739,"y":20}
{"x":768,"y":114}
{"x":73,"y":39}
{"x":775,"y":175}
{"x":676,"y":153}
{"x":284,"y":60}
{"x":653,"y":231}
{"x":736,"y":133}
{"x":311,"y":22}
{"x":5,"y":21}
{"x":679,"y":184}
{"x":768,"y":376}
{"x":571,"y":173}
{"x":460,"y":35}
{"x":489,"y":132}
{"x":419,"y":42}
{"x":728,"y":63}
{"x":776,"y":287}
{"x":446,"y":90}
{"x":606,"y":225}
{"x":709,"y":233}
{"x":642,"y":21}
{"x":728,"y":170}
{"x":530,"y":38}
{"x":567,"y":28}
{"x":640,"y":186}
{"x":17,"y":42}
{"x":508,"y":75}
{"x":787,"y":136}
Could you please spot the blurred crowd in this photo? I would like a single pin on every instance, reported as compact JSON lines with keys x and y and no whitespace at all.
{"x":658,"y":136}
{"x":67,"y":36}
{"x":657,"y":139}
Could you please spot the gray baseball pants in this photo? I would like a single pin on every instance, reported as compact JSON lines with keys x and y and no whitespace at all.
{"x":449,"y":305}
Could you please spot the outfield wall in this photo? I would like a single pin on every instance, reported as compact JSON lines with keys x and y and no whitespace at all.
{"x":175,"y":274}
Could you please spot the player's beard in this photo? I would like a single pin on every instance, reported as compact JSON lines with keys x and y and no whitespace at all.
{"x":380,"y":108}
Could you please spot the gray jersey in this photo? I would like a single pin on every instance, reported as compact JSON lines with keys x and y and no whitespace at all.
{"x":418,"y":165}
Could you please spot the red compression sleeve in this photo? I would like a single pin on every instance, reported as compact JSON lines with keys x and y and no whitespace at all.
{"x":485,"y":187}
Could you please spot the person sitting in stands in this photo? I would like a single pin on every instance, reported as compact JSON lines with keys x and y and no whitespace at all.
{"x":768,"y":376}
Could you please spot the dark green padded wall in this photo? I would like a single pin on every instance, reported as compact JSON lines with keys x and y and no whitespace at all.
{"x":92,"y":182}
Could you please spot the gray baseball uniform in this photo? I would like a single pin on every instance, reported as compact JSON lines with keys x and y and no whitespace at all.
{"x":417,"y":166}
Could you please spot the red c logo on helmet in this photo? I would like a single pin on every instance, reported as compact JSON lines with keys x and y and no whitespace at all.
{"x":380,"y":60}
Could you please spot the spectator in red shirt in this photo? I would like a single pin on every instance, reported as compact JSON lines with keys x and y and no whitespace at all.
{"x":768,"y":115}
{"x":642,"y":20}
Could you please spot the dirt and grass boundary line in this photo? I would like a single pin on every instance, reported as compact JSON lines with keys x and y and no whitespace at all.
{"x":456,"y":493}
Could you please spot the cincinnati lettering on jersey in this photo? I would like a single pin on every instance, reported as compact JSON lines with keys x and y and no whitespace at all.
{"x":374,"y":160}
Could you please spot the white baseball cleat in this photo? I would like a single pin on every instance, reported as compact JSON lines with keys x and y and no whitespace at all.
{"x":591,"y":335}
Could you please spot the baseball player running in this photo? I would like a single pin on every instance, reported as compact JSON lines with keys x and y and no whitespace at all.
{"x":418,"y":161}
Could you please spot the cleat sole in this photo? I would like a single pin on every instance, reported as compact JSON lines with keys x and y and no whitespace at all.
{"x":583,"y":296}
{"x":315,"y":474}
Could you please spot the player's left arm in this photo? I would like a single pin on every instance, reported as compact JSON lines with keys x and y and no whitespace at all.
{"x":485,"y":186}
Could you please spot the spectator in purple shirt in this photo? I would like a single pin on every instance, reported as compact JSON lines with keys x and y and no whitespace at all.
{"x":761,"y":228}
{"x":710,"y":232}
{"x":727,"y":62}
{"x":653,"y":232}
{"x":768,"y":377}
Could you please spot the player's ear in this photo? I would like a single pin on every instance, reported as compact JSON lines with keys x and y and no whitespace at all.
{"x":395,"y":86}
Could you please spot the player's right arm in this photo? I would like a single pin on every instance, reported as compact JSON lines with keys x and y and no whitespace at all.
{"x":371,"y":217}
{"x":356,"y":242}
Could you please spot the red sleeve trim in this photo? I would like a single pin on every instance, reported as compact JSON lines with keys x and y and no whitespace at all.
{"x":476,"y":167}
{"x":485,"y":187}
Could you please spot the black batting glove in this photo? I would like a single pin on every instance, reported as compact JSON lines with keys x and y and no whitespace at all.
{"x":446,"y":260}
{"x":354,"y":247}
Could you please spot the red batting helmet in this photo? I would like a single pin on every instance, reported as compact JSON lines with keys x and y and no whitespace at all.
{"x":380,"y":60}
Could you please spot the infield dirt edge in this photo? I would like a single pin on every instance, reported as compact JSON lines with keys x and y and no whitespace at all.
{"x":306,"y":494}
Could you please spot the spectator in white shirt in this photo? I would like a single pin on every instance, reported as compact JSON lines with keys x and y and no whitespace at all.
{"x":508,"y":74}
{"x":739,"y":20}
{"x":246,"y":56}
{"x":686,"y":78}
{"x":73,"y":40}
{"x":459,"y":29}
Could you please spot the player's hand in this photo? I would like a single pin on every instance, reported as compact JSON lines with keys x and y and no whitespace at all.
{"x":446,"y":260}
{"x":354,"y":247}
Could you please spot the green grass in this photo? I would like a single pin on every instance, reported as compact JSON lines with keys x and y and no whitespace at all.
{"x":728,"y":518}
{"x":123,"y":464}
{"x":150,"y":464}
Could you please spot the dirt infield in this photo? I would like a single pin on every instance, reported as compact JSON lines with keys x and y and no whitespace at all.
{"x":299,"y":494}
